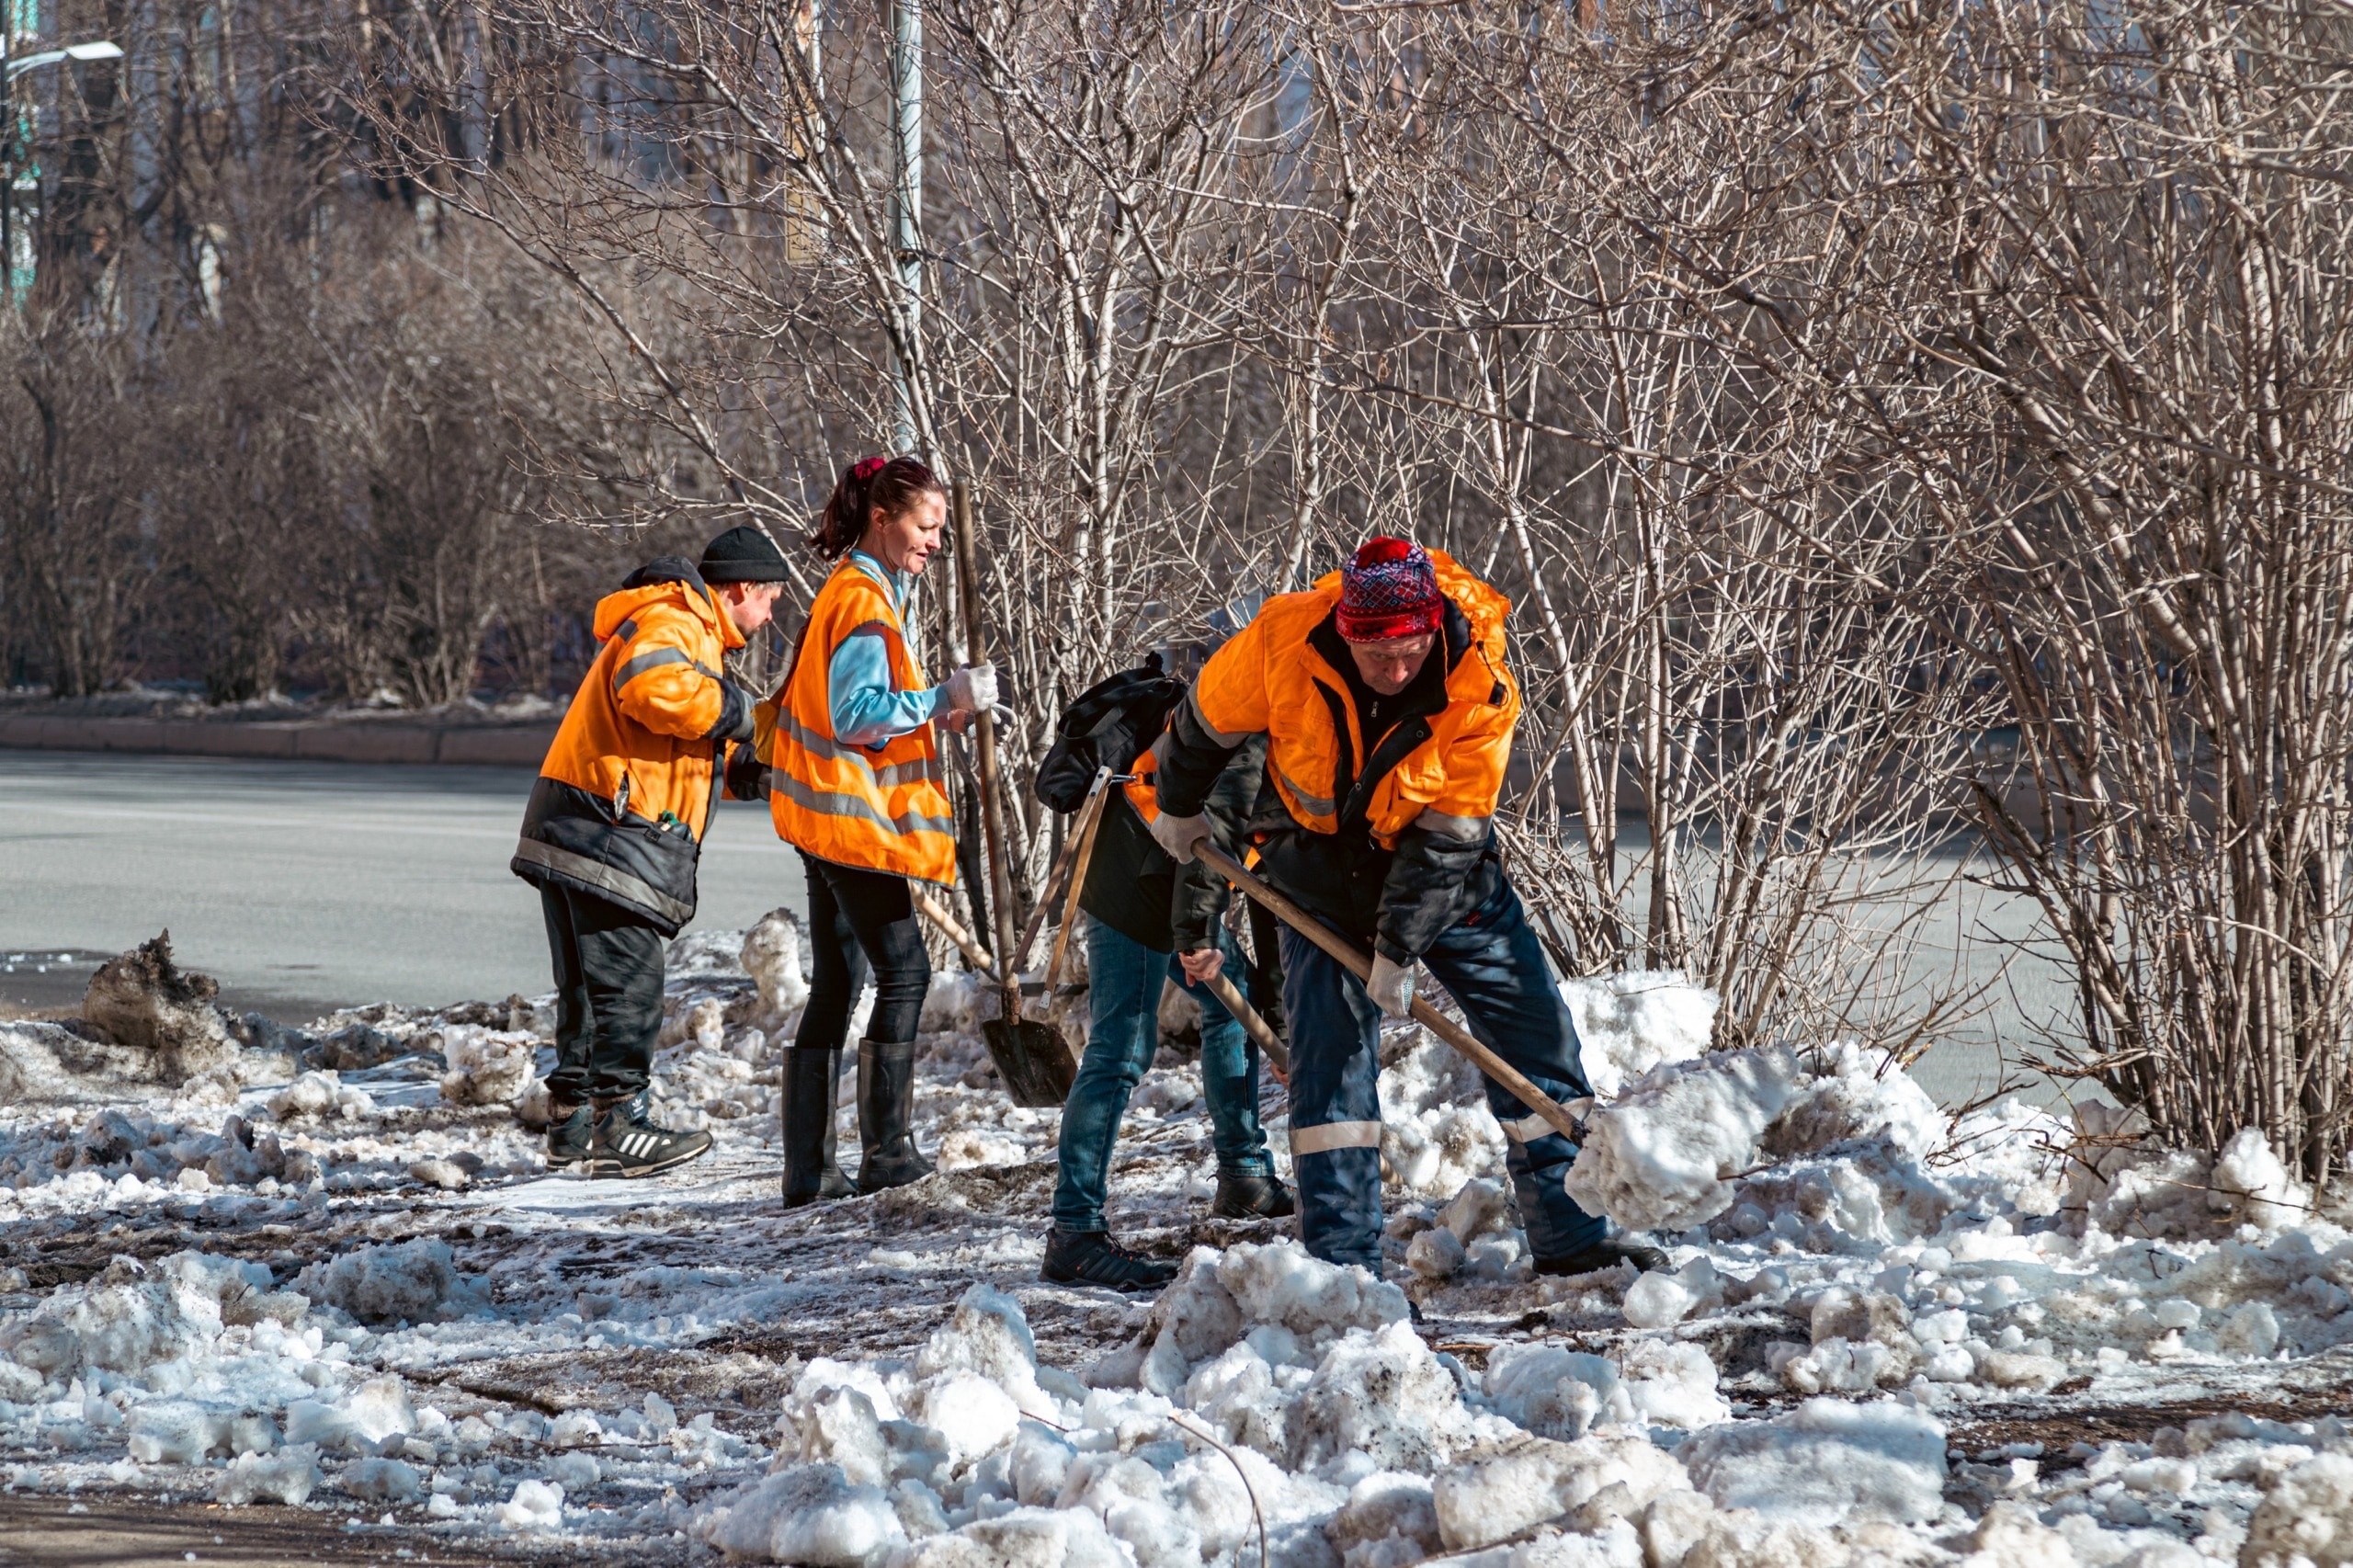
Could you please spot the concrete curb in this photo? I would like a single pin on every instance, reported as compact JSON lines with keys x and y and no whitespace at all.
{"x":298,"y":740}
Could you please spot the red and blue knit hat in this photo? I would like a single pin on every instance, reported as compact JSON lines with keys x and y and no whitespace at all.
{"x":1389,"y":591}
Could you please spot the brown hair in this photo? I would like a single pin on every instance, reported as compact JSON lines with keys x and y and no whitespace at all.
{"x":892,"y":484}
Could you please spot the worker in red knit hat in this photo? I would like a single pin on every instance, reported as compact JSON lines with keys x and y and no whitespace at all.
{"x":1389,"y":711}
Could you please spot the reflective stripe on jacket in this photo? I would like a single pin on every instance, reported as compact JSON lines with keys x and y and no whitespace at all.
{"x":1272,"y":679}
{"x":624,"y":798}
{"x":879,"y":807}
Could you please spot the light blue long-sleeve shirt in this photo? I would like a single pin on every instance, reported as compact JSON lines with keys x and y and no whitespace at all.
{"x":867,"y":711}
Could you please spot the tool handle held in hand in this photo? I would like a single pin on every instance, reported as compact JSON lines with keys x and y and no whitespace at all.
{"x":974,"y":954}
{"x":968,"y":590}
{"x":1072,"y":853}
{"x":1098,"y":803}
{"x":1429,"y":1017}
{"x":1270,"y":1044}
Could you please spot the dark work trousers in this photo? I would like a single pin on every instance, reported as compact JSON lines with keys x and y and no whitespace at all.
{"x":608,"y":997}
{"x":861,"y":923}
{"x":1492,"y":966}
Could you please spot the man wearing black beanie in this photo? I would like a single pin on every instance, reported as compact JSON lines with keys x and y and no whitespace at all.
{"x":615,"y":828}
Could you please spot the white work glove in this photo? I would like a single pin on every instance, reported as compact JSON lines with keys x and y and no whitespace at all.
{"x":972,"y":689}
{"x":1392,"y":986}
{"x":1178,"y":834}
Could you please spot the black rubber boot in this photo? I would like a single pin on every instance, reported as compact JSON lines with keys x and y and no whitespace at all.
{"x":1251,"y":1195}
{"x":1092,"y":1257}
{"x":810,"y":1173}
{"x":627,"y":1143}
{"x":568,"y":1135}
{"x":1605,"y":1254}
{"x":886,"y":1115}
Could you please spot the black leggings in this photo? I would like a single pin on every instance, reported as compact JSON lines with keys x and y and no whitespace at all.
{"x":861,"y":920}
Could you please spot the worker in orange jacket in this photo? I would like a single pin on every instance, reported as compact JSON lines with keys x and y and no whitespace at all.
{"x":855,"y":786}
{"x":615,"y":828}
{"x":1389,"y":711}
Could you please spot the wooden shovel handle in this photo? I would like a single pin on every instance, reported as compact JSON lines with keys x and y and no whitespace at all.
{"x":1429,"y":1017}
{"x":968,"y":588}
{"x":974,"y":954}
{"x":1054,"y":884}
{"x":1096,"y":806}
{"x":1270,"y":1044}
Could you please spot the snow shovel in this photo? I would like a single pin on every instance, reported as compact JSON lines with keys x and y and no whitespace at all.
{"x":1429,"y":1017}
{"x":1029,"y":1056}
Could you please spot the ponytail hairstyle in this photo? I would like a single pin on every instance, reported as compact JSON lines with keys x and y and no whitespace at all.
{"x":894,"y":484}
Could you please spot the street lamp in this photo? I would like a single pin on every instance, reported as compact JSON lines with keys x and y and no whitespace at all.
{"x":11,"y":67}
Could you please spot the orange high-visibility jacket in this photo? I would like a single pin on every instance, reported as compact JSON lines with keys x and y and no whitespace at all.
{"x":625,"y":795}
{"x":881,"y":808}
{"x":1270,"y":680}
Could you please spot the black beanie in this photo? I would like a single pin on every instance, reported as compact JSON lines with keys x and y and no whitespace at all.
{"x":743,"y":554}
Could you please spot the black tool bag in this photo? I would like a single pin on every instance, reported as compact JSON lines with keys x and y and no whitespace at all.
{"x":1112,"y":723}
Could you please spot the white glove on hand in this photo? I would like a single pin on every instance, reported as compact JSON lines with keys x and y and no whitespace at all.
{"x":972,"y":689}
{"x":1392,"y":986}
{"x":1178,"y":834}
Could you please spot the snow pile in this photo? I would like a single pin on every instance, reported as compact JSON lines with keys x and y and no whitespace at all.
{"x":770,"y":954}
{"x":1824,"y":1462}
{"x":143,"y":1000}
{"x":133,"y":1318}
{"x":1436,"y":1129}
{"x":486,"y":1066}
{"x":413,"y":1281}
{"x":317,"y":1093}
{"x":1630,"y":1023}
{"x":287,"y":1476}
{"x":1664,"y":1153}
{"x":2308,"y":1517}
{"x":2123,"y":1180}
{"x":1525,"y":1481}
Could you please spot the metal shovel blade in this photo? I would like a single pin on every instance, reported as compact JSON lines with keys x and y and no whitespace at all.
{"x":1031,"y":1059}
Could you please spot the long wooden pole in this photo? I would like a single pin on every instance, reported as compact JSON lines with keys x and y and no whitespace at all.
{"x":967,"y":587}
{"x":1270,"y":1044}
{"x":1429,"y":1017}
{"x":966,"y":943}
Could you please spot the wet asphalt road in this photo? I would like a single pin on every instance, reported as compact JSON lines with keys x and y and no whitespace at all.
{"x":300,"y":885}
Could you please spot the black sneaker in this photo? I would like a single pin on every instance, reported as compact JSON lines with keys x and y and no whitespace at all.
{"x":1092,"y":1257}
{"x":568,"y":1135}
{"x":626,"y":1142}
{"x":1605,"y":1254}
{"x":1251,"y":1195}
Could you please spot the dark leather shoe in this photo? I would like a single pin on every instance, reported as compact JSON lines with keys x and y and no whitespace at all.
{"x":1605,"y":1254}
{"x":1251,"y":1195}
{"x":1092,"y":1257}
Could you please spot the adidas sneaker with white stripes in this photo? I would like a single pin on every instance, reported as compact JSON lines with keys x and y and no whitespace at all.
{"x":627,"y":1144}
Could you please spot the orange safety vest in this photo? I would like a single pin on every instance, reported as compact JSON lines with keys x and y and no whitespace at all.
{"x":879,"y":808}
{"x":1270,"y":680}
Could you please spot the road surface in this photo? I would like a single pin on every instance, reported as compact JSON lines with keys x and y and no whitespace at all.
{"x":305,"y":886}
{"x":301,"y":885}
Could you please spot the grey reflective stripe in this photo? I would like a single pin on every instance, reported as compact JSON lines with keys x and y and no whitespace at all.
{"x":1528,"y":1128}
{"x":645,"y":662}
{"x":1334,"y":1135}
{"x":882,"y":629}
{"x":596,"y":874}
{"x":625,"y":632}
{"x":1468,"y":830}
{"x":913,"y":771}
{"x":825,"y":802}
{"x":1316,"y":804}
{"x":1192,"y":700}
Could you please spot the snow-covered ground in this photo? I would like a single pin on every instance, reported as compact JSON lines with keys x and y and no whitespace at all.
{"x":325,"y":1269}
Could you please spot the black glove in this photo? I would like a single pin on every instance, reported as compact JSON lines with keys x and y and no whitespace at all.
{"x":747,"y":776}
{"x":734,"y":714}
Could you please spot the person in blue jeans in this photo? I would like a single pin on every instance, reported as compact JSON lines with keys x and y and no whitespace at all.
{"x":1141,"y":906}
{"x":1387,"y":707}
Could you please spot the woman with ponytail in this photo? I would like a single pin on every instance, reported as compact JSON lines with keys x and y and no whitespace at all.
{"x":857,"y":787}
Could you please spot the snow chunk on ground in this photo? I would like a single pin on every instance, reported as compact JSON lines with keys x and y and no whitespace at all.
{"x":1662,"y":1156}
{"x":287,"y":1476}
{"x":413,"y":1281}
{"x":2308,"y":1517}
{"x":1436,"y":1129}
{"x":807,"y":1514}
{"x":1628,"y":1023}
{"x":486,"y":1066}
{"x":1493,"y":1495}
{"x":771,"y":956}
{"x":1825,"y":1462}
{"x":1381,"y":1393}
{"x":535,"y":1505}
{"x":1025,"y":1537}
{"x":2257,"y":1185}
{"x":1298,"y":1304}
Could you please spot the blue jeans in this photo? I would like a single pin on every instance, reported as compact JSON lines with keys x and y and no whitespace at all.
{"x":1122,"y":1034}
{"x":1492,"y":966}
